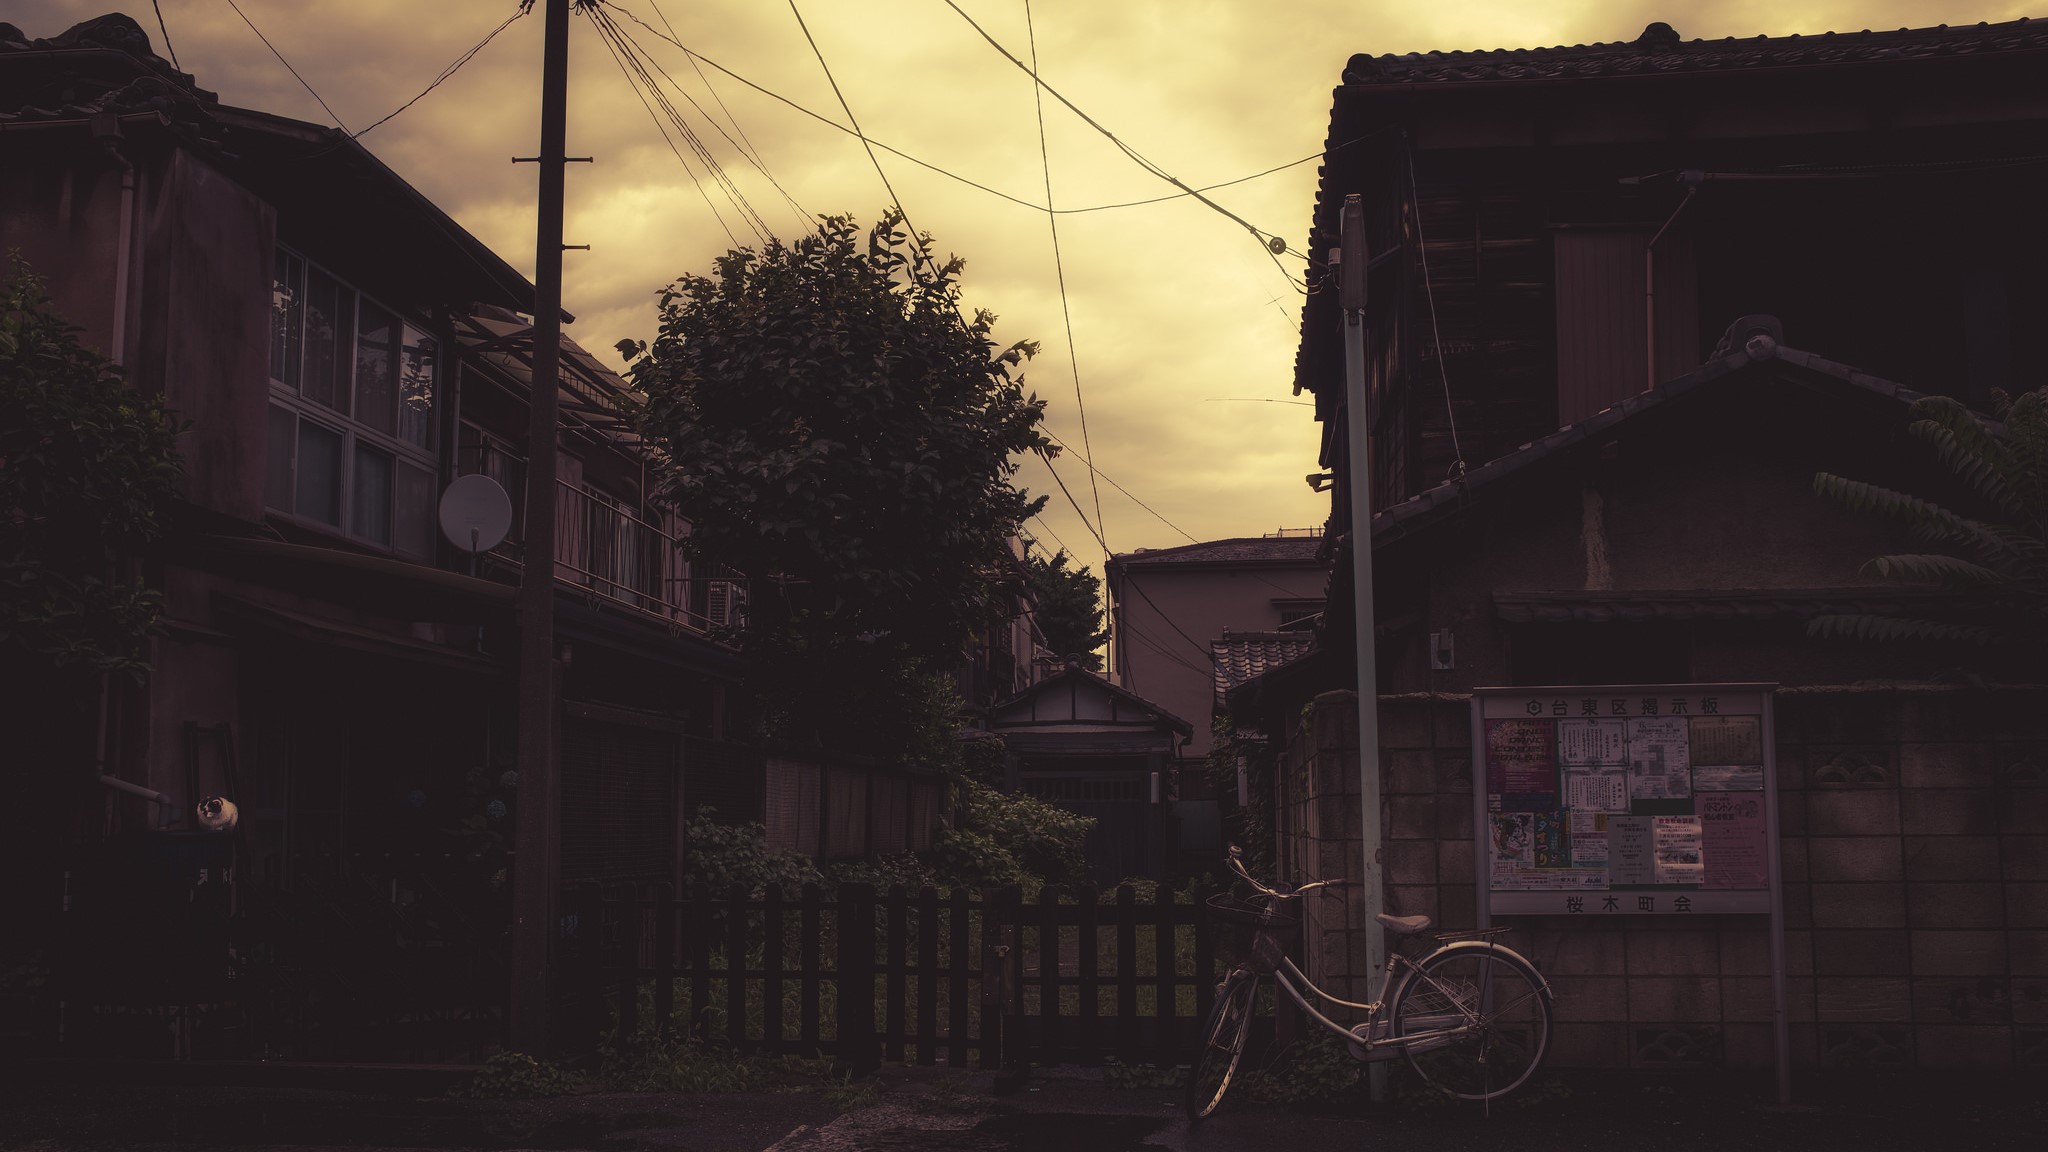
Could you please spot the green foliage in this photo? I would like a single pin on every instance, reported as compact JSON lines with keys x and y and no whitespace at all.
{"x":88,"y":473}
{"x":2004,"y":576}
{"x":1317,"y":1069}
{"x":832,"y":426}
{"x":1116,"y":1074}
{"x":1254,"y":828}
{"x":983,"y":758}
{"x":724,"y":856}
{"x":509,"y":1075}
{"x":1069,"y":608}
{"x":848,"y":1094}
{"x":1004,"y":838}
{"x":686,"y":1065}
{"x":886,"y":872}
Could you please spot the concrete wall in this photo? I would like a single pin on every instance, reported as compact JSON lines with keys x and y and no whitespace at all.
{"x":1914,"y":832}
{"x":198,"y":298}
{"x":1202,"y":602}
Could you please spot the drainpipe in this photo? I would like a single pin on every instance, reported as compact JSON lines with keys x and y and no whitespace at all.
{"x":1650,"y":283}
{"x":107,"y":130}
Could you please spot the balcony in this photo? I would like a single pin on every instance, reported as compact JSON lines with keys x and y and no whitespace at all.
{"x":613,"y":553}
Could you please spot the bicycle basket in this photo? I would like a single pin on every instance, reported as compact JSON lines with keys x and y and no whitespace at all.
{"x":1257,"y":930}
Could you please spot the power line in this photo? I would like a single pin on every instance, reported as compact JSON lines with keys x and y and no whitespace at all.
{"x":287,"y":64}
{"x":166,"y":33}
{"x":697,"y":57}
{"x":1429,"y":292}
{"x":642,"y":60}
{"x":1266,"y":239}
{"x":750,"y":149}
{"x":630,"y":55}
{"x":1060,"y":267}
{"x":444,"y":74}
{"x":1127,"y":492}
{"x":666,"y":139}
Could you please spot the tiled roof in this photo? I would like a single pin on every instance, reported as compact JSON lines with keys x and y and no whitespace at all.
{"x":1100,"y":683}
{"x":1242,"y":656}
{"x":1707,"y":604}
{"x":1250,"y":549}
{"x":66,"y":89}
{"x":1660,"y":50}
{"x":1751,"y":340}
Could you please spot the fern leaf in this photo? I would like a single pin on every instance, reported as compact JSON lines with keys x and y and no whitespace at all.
{"x":1936,"y":568}
{"x":1931,"y":520}
{"x":1893,"y":629}
{"x":1969,"y":449}
{"x":2026,"y":435}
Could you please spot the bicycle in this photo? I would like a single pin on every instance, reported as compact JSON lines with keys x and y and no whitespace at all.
{"x":1472,"y":1016}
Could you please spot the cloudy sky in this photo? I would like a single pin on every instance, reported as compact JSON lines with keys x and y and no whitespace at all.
{"x":1183,"y":328}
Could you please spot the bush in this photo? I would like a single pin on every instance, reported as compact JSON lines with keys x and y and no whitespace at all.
{"x":1006,"y":838}
{"x":508,"y":1075}
{"x":725,"y":856}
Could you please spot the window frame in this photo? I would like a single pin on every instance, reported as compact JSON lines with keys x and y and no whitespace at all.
{"x":289,"y":397}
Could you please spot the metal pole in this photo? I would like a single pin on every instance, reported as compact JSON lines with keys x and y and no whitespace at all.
{"x":1359,"y":445}
{"x":534,"y":860}
{"x":1781,"y":1016}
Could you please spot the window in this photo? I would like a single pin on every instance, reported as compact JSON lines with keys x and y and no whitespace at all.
{"x":351,"y":423}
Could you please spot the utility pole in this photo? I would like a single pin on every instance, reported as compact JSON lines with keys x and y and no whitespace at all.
{"x":536,"y":843}
{"x":1358,"y":429}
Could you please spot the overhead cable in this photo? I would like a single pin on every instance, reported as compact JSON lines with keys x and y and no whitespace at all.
{"x":644,"y":60}
{"x":287,"y":64}
{"x":697,"y":57}
{"x":1060,"y":267}
{"x":751,"y":150}
{"x":696,"y":183}
{"x":1271,"y":241}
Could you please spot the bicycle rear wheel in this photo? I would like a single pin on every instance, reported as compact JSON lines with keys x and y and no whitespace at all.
{"x":1222,"y":1039}
{"x":1476,"y":1019}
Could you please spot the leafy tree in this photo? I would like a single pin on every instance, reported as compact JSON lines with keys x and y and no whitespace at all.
{"x":1069,"y":608}
{"x":88,"y":472}
{"x":2003,"y":563}
{"x":832,"y":426}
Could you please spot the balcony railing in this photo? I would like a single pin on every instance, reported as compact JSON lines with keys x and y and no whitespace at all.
{"x":608,"y":549}
{"x":603,"y":546}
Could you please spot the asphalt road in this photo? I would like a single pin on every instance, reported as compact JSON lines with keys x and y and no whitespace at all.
{"x":1054,"y":1112}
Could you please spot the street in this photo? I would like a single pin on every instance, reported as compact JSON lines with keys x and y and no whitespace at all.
{"x":1063,"y":1110}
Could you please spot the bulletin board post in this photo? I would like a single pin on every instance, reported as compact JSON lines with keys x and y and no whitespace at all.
{"x":1632,"y":800}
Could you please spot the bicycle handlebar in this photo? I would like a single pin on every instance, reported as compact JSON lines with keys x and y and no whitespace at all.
{"x":1236,"y":858}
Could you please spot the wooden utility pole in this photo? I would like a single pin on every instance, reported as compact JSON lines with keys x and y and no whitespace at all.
{"x":1358,"y":430}
{"x":535,"y":861}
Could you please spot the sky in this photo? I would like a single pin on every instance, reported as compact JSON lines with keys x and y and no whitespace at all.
{"x":1183,"y":328}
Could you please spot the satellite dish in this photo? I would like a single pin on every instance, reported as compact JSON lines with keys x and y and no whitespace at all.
{"x":475,"y":513}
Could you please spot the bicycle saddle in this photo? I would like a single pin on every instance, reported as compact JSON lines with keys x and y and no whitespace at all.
{"x":1403,"y":925}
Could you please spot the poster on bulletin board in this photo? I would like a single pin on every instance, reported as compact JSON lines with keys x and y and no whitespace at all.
{"x":1625,"y":800}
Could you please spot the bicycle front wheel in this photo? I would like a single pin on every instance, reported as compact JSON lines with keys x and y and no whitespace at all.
{"x":1474,"y":1020}
{"x":1222,"y":1039}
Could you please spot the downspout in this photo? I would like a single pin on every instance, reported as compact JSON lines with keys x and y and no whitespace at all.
{"x":107,"y":130}
{"x":1650,"y":286}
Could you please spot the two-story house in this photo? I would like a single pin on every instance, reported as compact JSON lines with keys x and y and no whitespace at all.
{"x":338,"y":351}
{"x":1622,"y":303}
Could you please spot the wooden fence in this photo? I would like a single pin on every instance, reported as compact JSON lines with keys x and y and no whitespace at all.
{"x":970,"y":977}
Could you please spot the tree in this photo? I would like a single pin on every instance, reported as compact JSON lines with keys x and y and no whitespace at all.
{"x":88,"y":473}
{"x":832,"y":426}
{"x":1069,"y":608}
{"x":2004,"y":571}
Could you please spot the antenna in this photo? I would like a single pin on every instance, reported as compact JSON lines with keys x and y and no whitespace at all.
{"x":475,"y":513}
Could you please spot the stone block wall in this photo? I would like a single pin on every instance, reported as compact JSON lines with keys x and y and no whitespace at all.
{"x":1914,"y":833}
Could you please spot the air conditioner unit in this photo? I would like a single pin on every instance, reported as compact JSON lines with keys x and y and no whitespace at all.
{"x":725,"y":604}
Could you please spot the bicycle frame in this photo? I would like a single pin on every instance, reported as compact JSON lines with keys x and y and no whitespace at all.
{"x":1368,"y":1040}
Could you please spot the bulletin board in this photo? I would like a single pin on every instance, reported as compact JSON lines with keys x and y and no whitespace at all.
{"x":1625,"y":800}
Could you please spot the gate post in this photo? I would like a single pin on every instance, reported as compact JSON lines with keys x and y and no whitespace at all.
{"x":855,"y":979}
